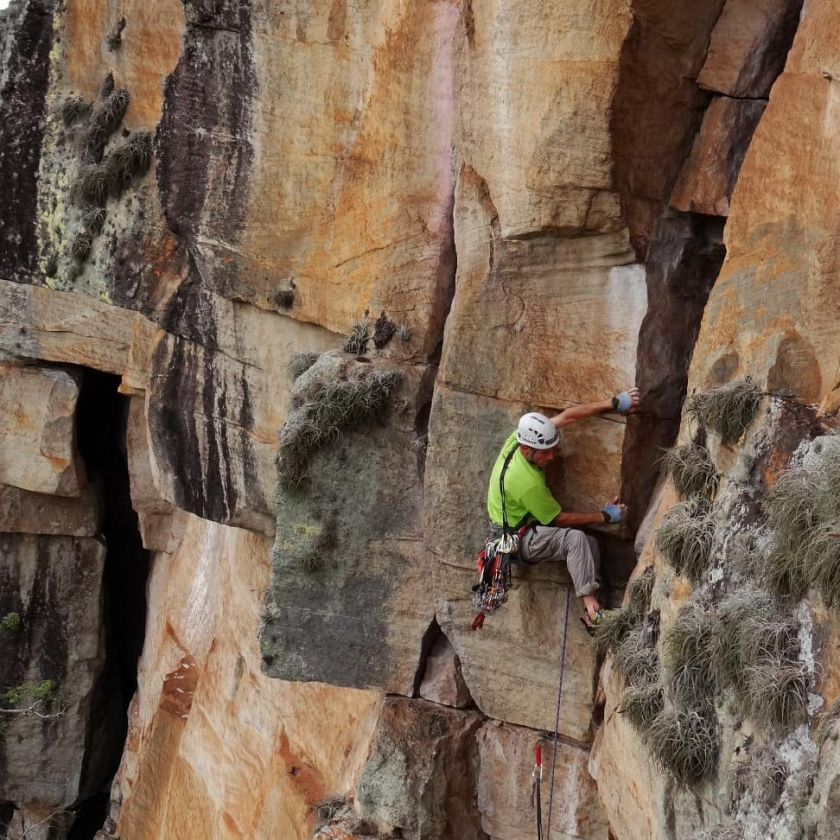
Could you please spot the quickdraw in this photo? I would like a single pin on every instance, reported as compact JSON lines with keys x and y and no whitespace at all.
{"x":536,"y":780}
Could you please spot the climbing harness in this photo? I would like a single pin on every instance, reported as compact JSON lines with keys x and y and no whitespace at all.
{"x":494,"y":561}
{"x":538,"y":749}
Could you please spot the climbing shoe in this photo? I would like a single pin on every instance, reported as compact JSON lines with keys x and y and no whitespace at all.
{"x":594,"y":621}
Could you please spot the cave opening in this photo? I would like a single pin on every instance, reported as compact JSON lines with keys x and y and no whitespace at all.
{"x":101,"y":425}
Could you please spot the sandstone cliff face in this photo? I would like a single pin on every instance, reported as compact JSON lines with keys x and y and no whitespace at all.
{"x":546,"y":202}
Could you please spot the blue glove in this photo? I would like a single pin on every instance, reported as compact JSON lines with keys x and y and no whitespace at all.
{"x":622,"y":403}
{"x":611,"y":514}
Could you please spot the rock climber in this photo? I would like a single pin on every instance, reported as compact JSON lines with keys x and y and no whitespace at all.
{"x":548,"y":533}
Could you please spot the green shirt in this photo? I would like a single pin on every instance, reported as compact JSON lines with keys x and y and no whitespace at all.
{"x":526,"y":494}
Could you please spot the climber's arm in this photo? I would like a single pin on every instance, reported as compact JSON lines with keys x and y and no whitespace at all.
{"x":624,"y":403}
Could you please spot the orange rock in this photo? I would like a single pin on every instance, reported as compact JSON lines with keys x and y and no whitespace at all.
{"x":706,"y":182}
{"x":749,"y":45}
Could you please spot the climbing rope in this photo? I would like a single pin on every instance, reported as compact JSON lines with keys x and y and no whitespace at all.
{"x":556,"y":721}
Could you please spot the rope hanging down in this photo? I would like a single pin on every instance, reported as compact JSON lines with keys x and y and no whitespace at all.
{"x":556,"y":732}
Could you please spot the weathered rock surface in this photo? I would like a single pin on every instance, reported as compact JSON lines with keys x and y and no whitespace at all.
{"x":37,"y":430}
{"x":774,"y":309}
{"x":639,"y":800}
{"x":442,"y":680}
{"x":422,"y":773}
{"x":26,"y":38}
{"x":352,"y":589}
{"x":657,"y":106}
{"x":527,"y":86}
{"x":232,"y":753}
{"x":53,"y":585}
{"x":25,"y":512}
{"x":706,"y":182}
{"x":748,"y":47}
{"x":504,"y":789}
{"x":161,"y":523}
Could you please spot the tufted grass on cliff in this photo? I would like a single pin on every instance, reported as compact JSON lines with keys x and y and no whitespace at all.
{"x":93,"y":219}
{"x":685,"y":745}
{"x":10,"y":624}
{"x":688,"y":657}
{"x":803,"y":512}
{"x":300,"y":363}
{"x":81,"y":247}
{"x":357,"y":338}
{"x":691,"y":469}
{"x":756,"y":655}
{"x":640,"y":589}
{"x":778,"y":693}
{"x":91,"y":188}
{"x":73,"y":109}
{"x":685,"y":537}
{"x":128,"y":162}
{"x":104,"y":120}
{"x":636,"y":659}
{"x":329,"y":408}
{"x":613,"y":628}
{"x":641,"y":705}
{"x":727,"y":410}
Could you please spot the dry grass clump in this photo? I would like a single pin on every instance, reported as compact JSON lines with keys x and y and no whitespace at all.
{"x":778,"y":693}
{"x":383,"y":331}
{"x":73,"y":109}
{"x":328,"y":409}
{"x":357,"y":339}
{"x":300,"y":363}
{"x":827,"y":726}
{"x":636,"y":660}
{"x":93,"y":218}
{"x":641,"y":705}
{"x":692,"y":471}
{"x":756,"y":655}
{"x":611,"y":631}
{"x":803,"y":512}
{"x":727,"y":410}
{"x":684,"y":744}
{"x":129,"y":161}
{"x":91,"y":188}
{"x":640,"y":589}
{"x":687,"y":650}
{"x":685,"y":538}
{"x":81,"y":247}
{"x":104,"y":120}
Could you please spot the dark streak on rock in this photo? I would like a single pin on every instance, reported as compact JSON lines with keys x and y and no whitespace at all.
{"x":22,"y":120}
{"x":208,"y":451}
{"x":189,"y":313}
{"x":204,"y":150}
{"x":683,"y":263}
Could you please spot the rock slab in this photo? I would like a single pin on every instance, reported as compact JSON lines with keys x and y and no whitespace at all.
{"x":38,"y":430}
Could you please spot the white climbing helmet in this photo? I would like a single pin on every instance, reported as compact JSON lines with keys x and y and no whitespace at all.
{"x":537,"y":431}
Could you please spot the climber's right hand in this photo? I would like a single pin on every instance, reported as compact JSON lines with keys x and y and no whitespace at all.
{"x":626,"y":402}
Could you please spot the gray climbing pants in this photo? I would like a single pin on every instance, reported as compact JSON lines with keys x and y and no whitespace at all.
{"x":545,"y":544}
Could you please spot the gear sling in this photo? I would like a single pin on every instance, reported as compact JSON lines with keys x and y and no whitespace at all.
{"x":495,"y":559}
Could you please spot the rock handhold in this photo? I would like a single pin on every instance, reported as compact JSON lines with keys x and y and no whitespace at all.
{"x":442,"y":682}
